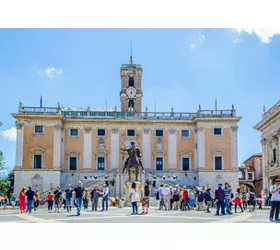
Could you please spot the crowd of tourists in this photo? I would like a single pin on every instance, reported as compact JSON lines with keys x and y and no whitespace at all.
{"x":223,"y":199}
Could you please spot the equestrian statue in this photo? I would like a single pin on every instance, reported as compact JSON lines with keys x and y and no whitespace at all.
{"x":133,"y":161}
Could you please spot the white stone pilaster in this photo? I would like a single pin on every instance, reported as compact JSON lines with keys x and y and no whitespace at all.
{"x":172,"y":149}
{"x":234,"y":148}
{"x":19,"y":145}
{"x":264,"y":163}
{"x":87,"y":148}
{"x":115,"y":150}
{"x":200,"y":148}
{"x":146,"y":149}
{"x":57,"y":164}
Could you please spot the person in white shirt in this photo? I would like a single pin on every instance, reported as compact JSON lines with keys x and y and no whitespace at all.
{"x":105,"y":197}
{"x":166,"y":196}
{"x":133,"y":196}
{"x":275,"y":200}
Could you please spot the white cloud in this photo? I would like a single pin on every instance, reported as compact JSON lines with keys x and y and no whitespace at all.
{"x":201,"y":37}
{"x":236,"y":40}
{"x":10,"y":134}
{"x":265,"y":35}
{"x":192,"y":46}
{"x":51,"y":72}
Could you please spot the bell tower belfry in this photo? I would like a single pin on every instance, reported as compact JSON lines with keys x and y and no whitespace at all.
{"x":131,"y":86}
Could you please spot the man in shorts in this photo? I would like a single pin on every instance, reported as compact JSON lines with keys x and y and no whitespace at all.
{"x":57,"y":199}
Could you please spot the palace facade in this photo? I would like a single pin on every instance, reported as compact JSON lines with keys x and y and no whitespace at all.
{"x":57,"y":146}
{"x":269,"y":127}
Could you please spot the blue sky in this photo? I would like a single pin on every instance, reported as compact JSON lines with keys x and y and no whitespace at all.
{"x":182,"y":68}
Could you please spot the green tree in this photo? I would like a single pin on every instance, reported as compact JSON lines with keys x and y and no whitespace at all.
{"x":4,"y":177}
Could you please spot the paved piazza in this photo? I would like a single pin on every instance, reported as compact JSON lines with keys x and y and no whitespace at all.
{"x":122,"y":215}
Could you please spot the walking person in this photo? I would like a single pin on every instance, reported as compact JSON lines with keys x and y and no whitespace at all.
{"x":22,"y":200}
{"x":176,"y":197}
{"x":259,"y":202}
{"x":220,"y":199}
{"x":30,"y":196}
{"x":227,"y":191}
{"x":208,"y":199}
{"x":275,"y":200}
{"x":68,"y":197}
{"x":186,"y":199}
{"x":79,"y":192}
{"x":244,"y":201}
{"x":166,"y":196}
{"x":105,"y":197}
{"x":133,"y":196}
{"x":238,"y":200}
{"x":86,"y":199}
{"x":145,"y":200}
{"x":36,"y":200}
{"x":251,"y":200}
{"x":94,"y":197}
{"x":171,"y":197}
{"x":57,"y":199}
{"x":50,"y":198}
{"x":13,"y":200}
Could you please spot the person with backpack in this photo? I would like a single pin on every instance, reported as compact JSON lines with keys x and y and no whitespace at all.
{"x":200,"y":199}
{"x":251,"y":200}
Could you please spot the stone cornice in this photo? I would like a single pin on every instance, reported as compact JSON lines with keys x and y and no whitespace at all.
{"x":37,"y":117}
{"x":266,"y":122}
{"x":36,"y":170}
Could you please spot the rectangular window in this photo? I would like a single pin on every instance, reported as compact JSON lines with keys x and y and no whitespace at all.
{"x":274,"y":155}
{"x":73,"y":163}
{"x":159,"y":164}
{"x":101,"y":132}
{"x":250,"y":176}
{"x":130,"y":132}
{"x":37,"y":161}
{"x":185,"y":164}
{"x":100,"y":163}
{"x":159,"y":133}
{"x":217,"y":131}
{"x":73,"y":132}
{"x":38,"y":129}
{"x":218,"y":163}
{"x":185,"y":133}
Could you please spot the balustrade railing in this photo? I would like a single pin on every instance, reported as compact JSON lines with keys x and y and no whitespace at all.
{"x":87,"y":113}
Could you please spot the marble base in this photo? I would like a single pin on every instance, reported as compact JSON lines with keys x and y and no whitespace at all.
{"x":127,"y":188}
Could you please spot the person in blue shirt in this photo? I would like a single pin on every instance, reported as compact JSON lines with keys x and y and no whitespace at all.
{"x":13,"y":200}
{"x":227,"y":191}
{"x":30,"y":199}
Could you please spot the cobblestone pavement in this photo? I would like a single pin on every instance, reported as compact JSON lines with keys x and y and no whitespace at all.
{"x":123,"y":215}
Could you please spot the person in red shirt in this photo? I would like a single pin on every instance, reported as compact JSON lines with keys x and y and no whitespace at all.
{"x":186,"y":199}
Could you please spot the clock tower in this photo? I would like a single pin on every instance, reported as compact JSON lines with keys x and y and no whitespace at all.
{"x":131,"y":87}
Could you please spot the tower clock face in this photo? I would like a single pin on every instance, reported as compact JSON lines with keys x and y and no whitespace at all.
{"x":131,"y":92}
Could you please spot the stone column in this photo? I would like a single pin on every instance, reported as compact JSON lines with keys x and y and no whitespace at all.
{"x":57,"y":147}
{"x":19,"y":145}
{"x":172,"y":150}
{"x":264,"y":164}
{"x":115,"y":150}
{"x":200,"y":148}
{"x":234,"y":147}
{"x":87,"y":148}
{"x":146,"y":148}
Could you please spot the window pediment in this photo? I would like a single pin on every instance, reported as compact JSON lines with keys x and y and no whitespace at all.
{"x":37,"y":150}
{"x":186,"y":154}
{"x":217,"y":152}
{"x":73,"y":153}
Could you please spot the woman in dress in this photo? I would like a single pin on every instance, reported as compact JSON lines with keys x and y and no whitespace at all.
{"x":238,"y":200}
{"x":22,"y":200}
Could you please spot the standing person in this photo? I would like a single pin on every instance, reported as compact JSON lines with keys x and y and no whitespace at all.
{"x":238,"y":200}
{"x":57,"y":199}
{"x":227,"y":191}
{"x":160,"y":196}
{"x":50,"y":198}
{"x":6,"y":201}
{"x":176,"y":197}
{"x":37,"y":199}
{"x":200,"y":199}
{"x":79,"y":192}
{"x":171,"y":197}
{"x":208,"y":199}
{"x":275,"y":200}
{"x":186,"y":199}
{"x":30,"y":196}
{"x":13,"y":200}
{"x":94,"y":197}
{"x":105,"y":197}
{"x":22,"y":200}
{"x":86,"y":199}
{"x":68,"y":197}
{"x":166,"y":196}
{"x":133,"y":196}
{"x":220,"y":199}
{"x":244,"y":201}
{"x":145,"y":200}
{"x":259,"y":202}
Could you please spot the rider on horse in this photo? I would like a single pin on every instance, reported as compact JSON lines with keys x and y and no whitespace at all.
{"x":134,"y":155}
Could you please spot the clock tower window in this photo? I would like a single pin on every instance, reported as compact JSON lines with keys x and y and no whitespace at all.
{"x":131,"y":104}
{"x":131,"y":82}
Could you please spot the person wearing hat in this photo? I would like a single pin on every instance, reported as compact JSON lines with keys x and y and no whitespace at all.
{"x":220,"y":199}
{"x":275,"y":200}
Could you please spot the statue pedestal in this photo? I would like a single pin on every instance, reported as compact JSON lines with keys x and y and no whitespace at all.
{"x":127,"y":188}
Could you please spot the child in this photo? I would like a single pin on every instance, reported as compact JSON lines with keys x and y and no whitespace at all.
{"x":259,"y":202}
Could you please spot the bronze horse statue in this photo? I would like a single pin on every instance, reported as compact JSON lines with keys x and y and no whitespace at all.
{"x":133,"y":161}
